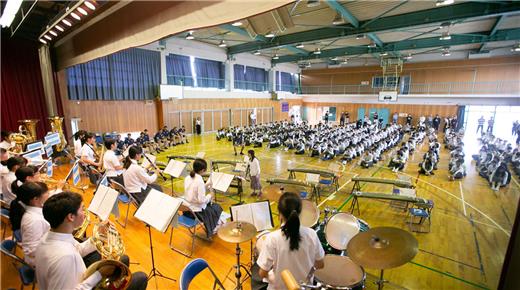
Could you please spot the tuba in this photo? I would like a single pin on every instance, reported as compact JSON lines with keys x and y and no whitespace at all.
{"x":20,"y":140}
{"x":28,"y":128}
{"x":118,"y":280}
{"x":57,"y":127}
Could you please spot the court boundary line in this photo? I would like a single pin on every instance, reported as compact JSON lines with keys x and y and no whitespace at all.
{"x":462,"y":198}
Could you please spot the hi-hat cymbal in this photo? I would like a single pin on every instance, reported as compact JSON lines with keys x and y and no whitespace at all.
{"x":237,"y":232}
{"x":382,"y":248}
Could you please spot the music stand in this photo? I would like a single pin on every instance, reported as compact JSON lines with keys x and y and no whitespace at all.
{"x":155,"y":272}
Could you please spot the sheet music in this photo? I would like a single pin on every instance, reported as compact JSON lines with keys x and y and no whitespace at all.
{"x":221,"y":181}
{"x":200,"y":155}
{"x":175,"y":168}
{"x":240,"y":167}
{"x":256,"y":213}
{"x":103,"y":202}
{"x":312,"y":177}
{"x":125,"y":153}
{"x":146,"y":163}
{"x":158,"y":210}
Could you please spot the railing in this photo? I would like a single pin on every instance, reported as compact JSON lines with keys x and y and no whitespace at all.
{"x":201,"y":82}
{"x":251,"y":86}
{"x":450,"y":88}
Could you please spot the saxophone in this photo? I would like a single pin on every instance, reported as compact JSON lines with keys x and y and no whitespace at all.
{"x":57,"y":127}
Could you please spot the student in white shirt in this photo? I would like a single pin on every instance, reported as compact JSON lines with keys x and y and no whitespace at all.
{"x":33,"y":225}
{"x":254,"y":172}
{"x":293,"y":247}
{"x":6,"y":142}
{"x":197,"y":199}
{"x":78,"y":136}
{"x":136,"y":180}
{"x":58,"y":256}
{"x":111,"y":163}
{"x":87,"y":150}
{"x":13,"y":164}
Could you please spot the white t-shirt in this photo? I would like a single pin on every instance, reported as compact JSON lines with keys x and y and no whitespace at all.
{"x":33,"y":228}
{"x":254,"y":167}
{"x":277,"y":256}
{"x":87,"y":152}
{"x":77,"y":148}
{"x":7,"y":180}
{"x":195,"y":193}
{"x":110,"y":162}
{"x":6,"y":145}
{"x":136,"y":178}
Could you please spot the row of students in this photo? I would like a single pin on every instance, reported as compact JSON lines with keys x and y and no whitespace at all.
{"x":456,"y":166}
{"x":492,"y":161}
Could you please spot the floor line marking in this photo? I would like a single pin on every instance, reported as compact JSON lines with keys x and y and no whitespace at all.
{"x":462,"y":197}
{"x":514,"y":181}
{"x":332,"y":195}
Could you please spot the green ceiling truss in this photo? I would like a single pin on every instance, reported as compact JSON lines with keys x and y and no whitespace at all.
{"x":422,"y":43}
{"x":454,"y":12}
{"x":493,"y":31}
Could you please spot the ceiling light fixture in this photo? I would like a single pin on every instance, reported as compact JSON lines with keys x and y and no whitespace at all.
{"x":408,"y":56}
{"x":313,"y":3}
{"x":372,"y":45}
{"x":59,"y":28}
{"x":10,"y":10}
{"x":276,"y":56}
{"x":308,"y":65}
{"x":384,"y":53}
{"x":82,"y":11}
{"x":516,"y":48}
{"x":237,"y":23}
{"x":90,"y":5}
{"x":270,"y":35}
{"x":48,"y":37}
{"x":300,"y":45}
{"x":446,"y":51}
{"x":257,"y":52}
{"x":344,"y":62}
{"x":43,"y":41}
{"x":53,"y":33}
{"x":444,"y":2}
{"x":317,"y":51}
{"x":445,"y":36}
{"x":445,"y":24}
{"x":334,"y":58}
{"x":66,"y":22}
{"x":76,"y":16}
{"x":338,"y":19}
{"x":222,"y":44}
{"x":361,"y":36}
{"x":190,"y":36}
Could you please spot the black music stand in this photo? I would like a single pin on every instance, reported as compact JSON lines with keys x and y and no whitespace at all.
{"x":155,"y":272}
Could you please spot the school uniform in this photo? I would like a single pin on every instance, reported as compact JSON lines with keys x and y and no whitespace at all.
{"x":200,"y":203}
{"x":138,"y":181}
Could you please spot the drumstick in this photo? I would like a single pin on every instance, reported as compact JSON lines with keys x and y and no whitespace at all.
{"x":289,"y":281}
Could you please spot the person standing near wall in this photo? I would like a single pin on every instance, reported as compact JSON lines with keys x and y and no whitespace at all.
{"x":480,"y":126}
{"x":326,"y":117}
{"x":491,"y":123}
{"x":436,"y":122}
{"x":342,"y":119}
{"x":395,"y":118}
{"x":198,"y":127}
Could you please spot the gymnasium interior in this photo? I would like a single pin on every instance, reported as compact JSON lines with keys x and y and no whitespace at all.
{"x":329,"y":94}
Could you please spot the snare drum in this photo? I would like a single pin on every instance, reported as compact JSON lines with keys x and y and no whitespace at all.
{"x":340,"y":273}
{"x":340,"y":228}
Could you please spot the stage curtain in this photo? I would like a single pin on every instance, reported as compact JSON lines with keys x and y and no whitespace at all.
{"x":256,"y":79}
{"x":21,"y":86}
{"x":136,"y":23}
{"x":210,"y":73}
{"x":240,"y":76}
{"x":178,"y":70}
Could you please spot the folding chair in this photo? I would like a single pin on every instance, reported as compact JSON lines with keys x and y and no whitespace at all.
{"x":6,"y":221}
{"x":25,"y":271}
{"x":124,"y":197}
{"x":192,"y":269}
{"x":191,"y":224}
{"x":423,"y":212}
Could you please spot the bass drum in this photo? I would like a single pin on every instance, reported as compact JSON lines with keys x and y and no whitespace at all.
{"x":340,"y":273}
{"x":329,"y":250}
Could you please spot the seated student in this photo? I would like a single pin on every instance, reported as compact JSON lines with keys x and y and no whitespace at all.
{"x":500,"y":177}
{"x":136,"y":179}
{"x":12,"y":164}
{"x":88,"y":157}
{"x":398,"y":161}
{"x":78,"y":136}
{"x":182,"y":131}
{"x":293,"y":247}
{"x":328,"y":153}
{"x":368,"y":159}
{"x":220,"y":134}
{"x":274,"y":141}
{"x":197,"y":199}
{"x":58,"y":259}
{"x":238,"y":141}
{"x":458,"y":170}
{"x":129,"y":141}
{"x":120,"y":145}
{"x":111,"y":163}
{"x":426,"y":166}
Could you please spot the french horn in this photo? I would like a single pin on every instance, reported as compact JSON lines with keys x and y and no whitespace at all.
{"x":118,"y":280}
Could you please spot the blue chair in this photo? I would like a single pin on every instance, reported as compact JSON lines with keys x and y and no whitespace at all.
{"x":423,"y":212}
{"x":193,"y":269}
{"x":25,"y":271}
{"x":6,"y":221}
{"x":124,"y":197}
{"x":191,"y":224}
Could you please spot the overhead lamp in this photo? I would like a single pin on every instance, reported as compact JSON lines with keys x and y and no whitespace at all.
{"x":222,"y":44}
{"x":76,"y":16}
{"x":53,"y":33}
{"x":237,"y":23}
{"x":444,"y":2}
{"x":59,"y":28}
{"x":335,"y":58}
{"x":338,"y":20}
{"x":516,"y":48}
{"x":445,"y":36}
{"x":190,"y":36}
{"x":43,"y":41}
{"x":82,"y":11}
{"x":313,"y":3}
{"x":257,"y":52}
{"x":300,"y":45}
{"x":308,"y":65}
{"x":384,"y":53}
{"x":48,"y":37}
{"x":361,"y":36}
{"x":90,"y":5}
{"x":10,"y":10}
{"x":345,"y":61}
{"x":276,"y":56}
{"x":317,"y":51}
{"x":445,"y":24}
{"x":446,"y":51}
{"x":408,"y":56}
{"x":372,"y":44}
{"x":270,"y":35}
{"x":66,"y":22}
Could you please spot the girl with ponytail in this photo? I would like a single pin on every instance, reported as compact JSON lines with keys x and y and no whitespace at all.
{"x":198,"y":201}
{"x":135,"y":178}
{"x":293,"y":247}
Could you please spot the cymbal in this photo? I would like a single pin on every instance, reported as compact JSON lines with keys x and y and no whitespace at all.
{"x":237,"y":232}
{"x":310,"y":213}
{"x":382,"y":248}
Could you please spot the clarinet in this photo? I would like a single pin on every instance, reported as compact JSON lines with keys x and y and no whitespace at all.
{"x":155,"y":166}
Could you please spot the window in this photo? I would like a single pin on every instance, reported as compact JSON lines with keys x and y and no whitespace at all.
{"x":250,"y":78}
{"x":391,"y":82}
{"x":287,"y":82}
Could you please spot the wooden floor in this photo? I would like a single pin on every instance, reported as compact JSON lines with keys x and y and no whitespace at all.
{"x":464,"y":250}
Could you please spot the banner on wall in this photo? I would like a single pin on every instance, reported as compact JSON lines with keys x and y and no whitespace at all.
{"x":285,"y":107}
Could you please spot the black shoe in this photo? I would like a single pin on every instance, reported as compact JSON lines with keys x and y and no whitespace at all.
{"x":241,"y":153}
{"x":235,"y":154}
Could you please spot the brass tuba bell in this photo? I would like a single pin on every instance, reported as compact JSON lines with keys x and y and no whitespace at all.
{"x":118,"y":280}
{"x":57,"y":127}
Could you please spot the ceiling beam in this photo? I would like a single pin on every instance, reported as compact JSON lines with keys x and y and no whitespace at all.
{"x":422,"y":43}
{"x":494,"y":29}
{"x":260,"y":38}
{"x":343,"y":12}
{"x":424,"y":17}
